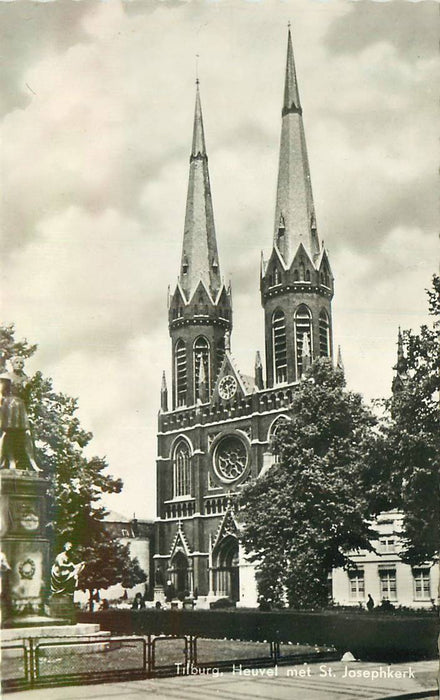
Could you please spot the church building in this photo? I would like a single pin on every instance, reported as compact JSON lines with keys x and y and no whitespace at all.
{"x":215,"y":429}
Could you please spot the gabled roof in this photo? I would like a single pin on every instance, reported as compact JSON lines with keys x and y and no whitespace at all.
{"x":228,"y":526}
{"x":180,"y":542}
{"x":229,"y":367}
{"x":323,"y":257}
{"x":302,"y":252}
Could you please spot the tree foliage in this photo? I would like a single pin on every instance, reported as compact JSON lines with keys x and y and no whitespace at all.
{"x":108,"y":562}
{"x":76,"y":480}
{"x":305,"y":514}
{"x":412,"y":437}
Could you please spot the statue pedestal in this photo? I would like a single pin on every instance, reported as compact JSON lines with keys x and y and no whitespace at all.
{"x":159,"y":595}
{"x":61,"y":606}
{"x":24,"y":543}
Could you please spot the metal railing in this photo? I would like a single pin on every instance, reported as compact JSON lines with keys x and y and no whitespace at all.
{"x":97,"y":659}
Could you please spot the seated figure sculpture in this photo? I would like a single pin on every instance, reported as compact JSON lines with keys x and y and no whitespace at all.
{"x":16,"y":448}
{"x":64,"y":573}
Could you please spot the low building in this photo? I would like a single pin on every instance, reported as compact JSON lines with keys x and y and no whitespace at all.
{"x":139,"y":536}
{"x":382,"y":574}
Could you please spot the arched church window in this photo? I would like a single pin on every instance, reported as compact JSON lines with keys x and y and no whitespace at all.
{"x":181,"y":470}
{"x":307,"y":275}
{"x":324,"y":334}
{"x":201,"y":368}
{"x":303,"y":326}
{"x":278,"y":422}
{"x":279,"y":346}
{"x":302,"y":271}
{"x":181,"y":380}
{"x":295,"y":276}
{"x":276,"y":276}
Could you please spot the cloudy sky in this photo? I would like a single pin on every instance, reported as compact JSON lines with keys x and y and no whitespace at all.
{"x":97,"y":109}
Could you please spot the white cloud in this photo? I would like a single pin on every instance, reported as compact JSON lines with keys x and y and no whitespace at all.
{"x":94,"y":185}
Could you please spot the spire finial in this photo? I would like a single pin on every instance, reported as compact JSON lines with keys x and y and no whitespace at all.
{"x":197,"y":69}
{"x":288,"y":25}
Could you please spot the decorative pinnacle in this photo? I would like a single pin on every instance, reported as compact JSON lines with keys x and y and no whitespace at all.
{"x":164,"y":382}
{"x":339,"y":362}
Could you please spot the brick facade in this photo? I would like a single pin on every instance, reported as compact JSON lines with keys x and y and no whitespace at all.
{"x":217,"y":434}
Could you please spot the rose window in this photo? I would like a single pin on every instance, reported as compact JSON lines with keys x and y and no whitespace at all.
{"x":230,"y":458}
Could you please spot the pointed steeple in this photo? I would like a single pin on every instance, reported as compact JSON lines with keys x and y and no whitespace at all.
{"x":295,"y":220}
{"x":164,"y":394}
{"x":291,"y":94}
{"x":401,"y":365}
{"x":198,"y":142}
{"x":401,"y":376}
{"x":199,"y":252}
{"x":258,"y":375}
{"x":339,"y":362}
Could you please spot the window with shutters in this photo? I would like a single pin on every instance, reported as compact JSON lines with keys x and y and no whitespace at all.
{"x":279,"y":346}
{"x":324,"y":334}
{"x":303,"y":325}
{"x":181,"y":379}
{"x":201,"y":363}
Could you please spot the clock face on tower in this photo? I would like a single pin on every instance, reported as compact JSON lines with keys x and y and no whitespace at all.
{"x":227,"y":387}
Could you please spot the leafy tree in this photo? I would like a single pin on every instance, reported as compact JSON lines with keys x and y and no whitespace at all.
{"x":312,"y":507}
{"x":76,"y":481}
{"x":108,"y":562}
{"x":413,"y":437}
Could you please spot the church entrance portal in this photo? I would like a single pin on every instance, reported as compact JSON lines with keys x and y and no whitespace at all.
{"x":226,"y":571}
{"x":179,"y":573}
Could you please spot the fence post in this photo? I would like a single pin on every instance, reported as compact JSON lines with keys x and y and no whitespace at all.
{"x":31,"y":661}
{"x":149,"y":655}
{"x":195,"y":651}
{"x":277,"y":652}
{"x":25,"y":661}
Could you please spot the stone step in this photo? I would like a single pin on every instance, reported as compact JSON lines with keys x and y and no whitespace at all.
{"x":79,"y":630}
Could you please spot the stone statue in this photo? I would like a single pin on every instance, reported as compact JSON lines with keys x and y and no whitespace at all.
{"x":64,"y":573}
{"x":16,"y":448}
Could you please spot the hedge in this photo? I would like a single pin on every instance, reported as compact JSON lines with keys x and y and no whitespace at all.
{"x":368,"y":637}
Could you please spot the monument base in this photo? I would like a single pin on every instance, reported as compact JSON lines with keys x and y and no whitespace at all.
{"x":20,"y":622}
{"x":159,"y":595}
{"x":61,"y":606}
{"x":25,"y":547}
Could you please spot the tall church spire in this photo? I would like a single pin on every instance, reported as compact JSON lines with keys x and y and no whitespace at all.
{"x":200,"y":310}
{"x":199,"y":253}
{"x":295,"y":220}
{"x":296,"y":282}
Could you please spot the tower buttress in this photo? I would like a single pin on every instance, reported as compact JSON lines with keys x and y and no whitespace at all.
{"x":200,"y":310}
{"x":296,"y":282}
